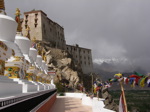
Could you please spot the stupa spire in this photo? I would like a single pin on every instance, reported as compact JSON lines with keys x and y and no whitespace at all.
{"x":2,"y":7}
{"x":17,"y":18}
{"x":27,"y":32}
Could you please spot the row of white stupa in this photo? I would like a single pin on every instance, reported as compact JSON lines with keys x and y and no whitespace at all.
{"x":22,"y":70}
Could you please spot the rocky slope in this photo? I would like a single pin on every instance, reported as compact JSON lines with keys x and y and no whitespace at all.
{"x":67,"y":72}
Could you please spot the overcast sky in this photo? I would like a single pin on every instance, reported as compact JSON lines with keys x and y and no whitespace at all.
{"x":111,"y":28}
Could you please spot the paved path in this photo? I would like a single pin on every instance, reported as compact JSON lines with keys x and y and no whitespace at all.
{"x":69,"y":104}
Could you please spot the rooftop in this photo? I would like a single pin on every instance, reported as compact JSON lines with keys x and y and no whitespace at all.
{"x":36,"y":11}
{"x":78,"y":47}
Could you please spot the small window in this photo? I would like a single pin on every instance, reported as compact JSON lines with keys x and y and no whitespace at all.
{"x":36,"y":15}
{"x":26,"y":26}
{"x":27,"y":16}
{"x":44,"y":26}
{"x":44,"y":31}
{"x":26,"y":21}
{"x":35,"y":25}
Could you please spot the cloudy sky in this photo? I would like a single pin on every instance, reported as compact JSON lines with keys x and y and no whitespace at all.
{"x":118,"y":29}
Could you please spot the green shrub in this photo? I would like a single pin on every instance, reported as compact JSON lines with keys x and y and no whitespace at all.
{"x":60,"y":88}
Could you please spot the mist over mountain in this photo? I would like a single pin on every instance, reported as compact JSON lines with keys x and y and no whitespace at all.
{"x":107,"y":69}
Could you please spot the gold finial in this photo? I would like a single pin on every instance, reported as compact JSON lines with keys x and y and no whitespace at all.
{"x":17,"y":18}
{"x":45,"y":58}
{"x":33,"y":42}
{"x":34,"y":39}
{"x":2,"y":7}
{"x":39,"y":48}
{"x":43,"y":53}
{"x":27,"y":32}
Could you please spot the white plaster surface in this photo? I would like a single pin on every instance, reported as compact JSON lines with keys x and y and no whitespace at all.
{"x":23,"y":43}
{"x":8,"y":28}
{"x":14,"y":47}
{"x":8,"y":87}
{"x":39,"y":60}
{"x":27,"y":86}
{"x":33,"y":54}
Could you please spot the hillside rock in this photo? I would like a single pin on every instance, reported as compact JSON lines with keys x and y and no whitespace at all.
{"x":62,"y":63}
{"x":109,"y":102}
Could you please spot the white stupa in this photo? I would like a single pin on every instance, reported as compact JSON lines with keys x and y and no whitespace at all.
{"x":8,"y":28}
{"x":7,"y":35}
{"x":33,"y":55}
{"x":24,"y":43}
{"x":35,"y":67}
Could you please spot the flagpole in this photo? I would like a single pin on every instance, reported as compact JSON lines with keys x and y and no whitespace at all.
{"x":123,"y":94}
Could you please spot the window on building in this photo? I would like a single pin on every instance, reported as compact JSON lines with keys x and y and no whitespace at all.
{"x":85,"y":62}
{"x":81,"y":62}
{"x":21,"y":21}
{"x":26,"y":16}
{"x":35,"y":22}
{"x":35,"y":25}
{"x":80,"y":56}
{"x":44,"y":26}
{"x":84,"y":57}
{"x":26,"y":26}
{"x":84,"y":51}
{"x":44,"y":31}
{"x":76,"y":56}
{"x":26,"y":22}
{"x":36,"y":15}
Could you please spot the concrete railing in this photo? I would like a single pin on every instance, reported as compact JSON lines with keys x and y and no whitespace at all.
{"x":26,"y":102}
{"x":46,"y":105}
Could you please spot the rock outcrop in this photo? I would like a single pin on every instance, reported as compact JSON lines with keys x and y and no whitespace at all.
{"x":62,"y":63}
{"x":109,"y":102}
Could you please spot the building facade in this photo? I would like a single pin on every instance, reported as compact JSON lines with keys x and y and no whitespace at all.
{"x":82,"y":56}
{"x":43,"y":28}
